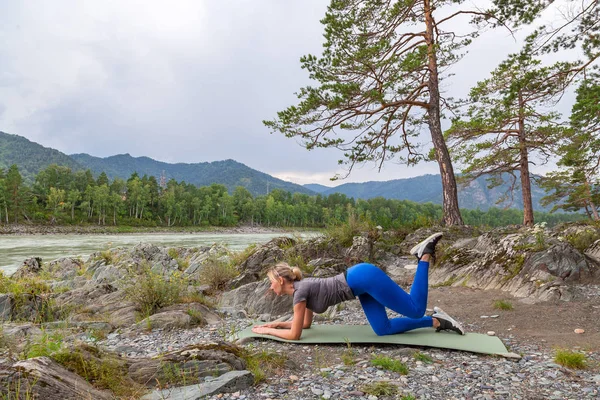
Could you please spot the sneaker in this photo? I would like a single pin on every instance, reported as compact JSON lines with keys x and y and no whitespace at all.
{"x":446,"y":322}
{"x":427,"y":246}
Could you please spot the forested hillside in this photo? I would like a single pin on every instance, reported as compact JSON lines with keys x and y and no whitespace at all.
{"x":60,"y":196}
{"x":229,"y":173}
{"x":30,"y":157}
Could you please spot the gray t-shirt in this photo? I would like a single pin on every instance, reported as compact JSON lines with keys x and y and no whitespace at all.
{"x":321,"y":293}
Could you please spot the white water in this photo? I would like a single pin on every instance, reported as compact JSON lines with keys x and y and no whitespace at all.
{"x":15,"y":249}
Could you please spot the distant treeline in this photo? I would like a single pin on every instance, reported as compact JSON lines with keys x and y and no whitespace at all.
{"x":60,"y":196}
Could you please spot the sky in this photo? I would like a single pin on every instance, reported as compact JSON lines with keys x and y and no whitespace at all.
{"x":182,"y":81}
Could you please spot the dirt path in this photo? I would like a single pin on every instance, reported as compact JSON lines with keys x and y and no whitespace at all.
{"x":549,"y":324}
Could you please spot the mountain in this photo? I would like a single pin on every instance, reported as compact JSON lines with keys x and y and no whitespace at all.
{"x":315,"y":187}
{"x":428,"y":188}
{"x":30,"y":157}
{"x":229,"y":172}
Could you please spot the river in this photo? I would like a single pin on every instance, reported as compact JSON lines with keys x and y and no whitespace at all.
{"x":15,"y":249}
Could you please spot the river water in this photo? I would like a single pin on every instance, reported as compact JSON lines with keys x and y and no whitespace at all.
{"x":15,"y":249}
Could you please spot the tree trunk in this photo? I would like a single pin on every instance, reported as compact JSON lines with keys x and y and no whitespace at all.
{"x":524,"y":169}
{"x":449,"y":190}
{"x":592,"y":205}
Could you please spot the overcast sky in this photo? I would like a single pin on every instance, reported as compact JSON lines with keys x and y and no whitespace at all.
{"x":180,"y":81}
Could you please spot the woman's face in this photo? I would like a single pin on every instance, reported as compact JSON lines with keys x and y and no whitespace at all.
{"x":276,"y":286}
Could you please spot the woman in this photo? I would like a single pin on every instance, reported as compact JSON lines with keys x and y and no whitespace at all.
{"x":374,"y":289}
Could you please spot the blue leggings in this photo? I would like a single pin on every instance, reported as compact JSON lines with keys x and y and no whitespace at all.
{"x":376,"y":291}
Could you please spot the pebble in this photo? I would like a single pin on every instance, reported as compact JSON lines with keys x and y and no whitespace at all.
{"x":320,"y":374}
{"x":491,"y":333}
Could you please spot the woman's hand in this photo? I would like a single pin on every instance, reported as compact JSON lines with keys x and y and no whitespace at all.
{"x":261,"y":329}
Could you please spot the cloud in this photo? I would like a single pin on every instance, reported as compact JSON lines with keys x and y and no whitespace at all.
{"x":189,"y":81}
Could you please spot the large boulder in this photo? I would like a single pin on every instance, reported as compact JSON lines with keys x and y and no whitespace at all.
{"x":42,"y":378}
{"x":256,"y":299}
{"x":254,"y":267}
{"x":179,"y":316}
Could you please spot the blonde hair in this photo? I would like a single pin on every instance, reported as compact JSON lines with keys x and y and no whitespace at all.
{"x":286,"y":272}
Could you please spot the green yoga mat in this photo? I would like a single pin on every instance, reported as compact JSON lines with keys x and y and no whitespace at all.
{"x":426,"y":337}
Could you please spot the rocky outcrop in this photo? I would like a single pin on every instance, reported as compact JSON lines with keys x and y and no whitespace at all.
{"x":191,"y":363}
{"x":42,"y":378}
{"x":229,"y":382}
{"x":529,"y":263}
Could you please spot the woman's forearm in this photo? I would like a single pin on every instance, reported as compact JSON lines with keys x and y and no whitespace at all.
{"x":282,"y":333}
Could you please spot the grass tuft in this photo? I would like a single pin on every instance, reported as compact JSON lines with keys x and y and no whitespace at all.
{"x":380,"y":389}
{"x":423,"y":357}
{"x":570,"y":359}
{"x":390,"y":364}
{"x":503,"y":305}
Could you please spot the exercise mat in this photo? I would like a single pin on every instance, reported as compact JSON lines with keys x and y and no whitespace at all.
{"x":426,"y":337}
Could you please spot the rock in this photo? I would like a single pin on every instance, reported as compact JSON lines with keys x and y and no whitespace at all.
{"x":192,"y":363}
{"x":227,"y":383}
{"x":31,"y":267}
{"x":256,"y":298}
{"x":516,"y":262}
{"x":43,"y":378}
{"x":6,"y":304}
{"x":165,"y":320}
{"x":64,"y":268}
{"x":579,"y":331}
{"x":253,"y":268}
{"x":491,"y":333}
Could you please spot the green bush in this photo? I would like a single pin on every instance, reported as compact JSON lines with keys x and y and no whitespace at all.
{"x":583,"y":240}
{"x":45,"y":345}
{"x":151,"y":291}
{"x":344,"y":233}
{"x":238,"y":258}
{"x":217,"y":273}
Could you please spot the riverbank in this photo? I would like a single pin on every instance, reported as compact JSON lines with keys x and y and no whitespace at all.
{"x":22,"y":229}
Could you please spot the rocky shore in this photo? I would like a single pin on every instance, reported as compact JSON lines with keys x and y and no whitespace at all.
{"x":159,"y":323}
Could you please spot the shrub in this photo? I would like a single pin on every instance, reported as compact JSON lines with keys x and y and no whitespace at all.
{"x":583,"y":240}
{"x":344,"y":233}
{"x":45,"y":345}
{"x":107,"y":256}
{"x":217,"y":273}
{"x":238,"y":258}
{"x":151,"y":291}
{"x":570,"y":359}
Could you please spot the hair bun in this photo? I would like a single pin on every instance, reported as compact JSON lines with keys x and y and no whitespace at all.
{"x":297,"y":273}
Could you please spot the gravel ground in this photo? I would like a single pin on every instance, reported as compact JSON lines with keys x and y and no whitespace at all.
{"x":318,"y":372}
